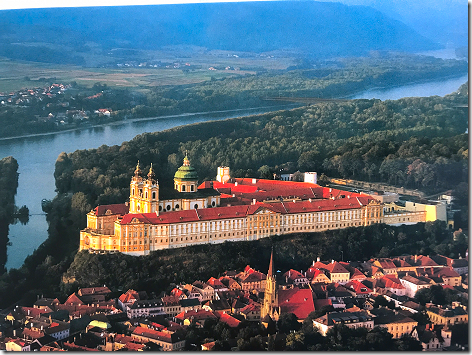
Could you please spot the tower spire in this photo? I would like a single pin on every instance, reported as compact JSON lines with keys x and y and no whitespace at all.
{"x":151,"y":175}
{"x":271,"y":263}
{"x":137,"y":171}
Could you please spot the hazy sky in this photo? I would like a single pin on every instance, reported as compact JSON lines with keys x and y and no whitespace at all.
{"x":17,"y":4}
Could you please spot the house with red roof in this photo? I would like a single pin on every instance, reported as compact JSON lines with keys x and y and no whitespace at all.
{"x":296,"y":278}
{"x":387,"y":265}
{"x":127,"y":299}
{"x":199,"y":316}
{"x":252,"y":312}
{"x":228,"y":319}
{"x":337,"y":273}
{"x":216,"y":284}
{"x":230,"y":283}
{"x":414,"y":283}
{"x":392,"y":284}
{"x":361,"y":290}
{"x":318,"y":275}
{"x":254,"y":280}
{"x":167,"y":341}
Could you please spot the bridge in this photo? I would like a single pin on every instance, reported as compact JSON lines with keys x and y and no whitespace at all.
{"x":304,"y":100}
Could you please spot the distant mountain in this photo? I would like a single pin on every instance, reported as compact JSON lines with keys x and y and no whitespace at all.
{"x":315,"y":29}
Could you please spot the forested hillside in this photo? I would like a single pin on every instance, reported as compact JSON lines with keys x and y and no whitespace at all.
{"x":333,"y":78}
{"x":414,"y":142}
{"x":302,"y":26}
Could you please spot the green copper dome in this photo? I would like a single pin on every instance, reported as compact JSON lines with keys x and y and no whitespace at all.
{"x":186,"y":172}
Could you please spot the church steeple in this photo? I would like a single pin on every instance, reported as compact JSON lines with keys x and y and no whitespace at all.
{"x":137,"y":171}
{"x":151,"y":176}
{"x":271,"y":264}
{"x":270,"y":304}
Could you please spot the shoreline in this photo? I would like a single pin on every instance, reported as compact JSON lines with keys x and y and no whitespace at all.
{"x":190,"y":114}
{"x":419,"y":82}
{"x":119,"y":122}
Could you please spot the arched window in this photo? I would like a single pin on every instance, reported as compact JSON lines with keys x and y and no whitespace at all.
{"x":154,"y":195}
{"x":168,"y":207}
{"x":177,"y":206}
{"x":160,"y":208}
{"x":213,"y":203}
{"x":195,"y":206}
{"x":183,"y":187}
{"x":192,"y":188}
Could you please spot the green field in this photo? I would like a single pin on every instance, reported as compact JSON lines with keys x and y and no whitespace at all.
{"x":14,"y":74}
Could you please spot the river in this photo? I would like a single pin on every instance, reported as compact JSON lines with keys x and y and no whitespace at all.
{"x":37,"y":155}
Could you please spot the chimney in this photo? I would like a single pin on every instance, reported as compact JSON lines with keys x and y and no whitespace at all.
{"x":253,"y":201}
{"x":318,"y":259}
{"x":332,"y":261}
{"x":416,"y":258}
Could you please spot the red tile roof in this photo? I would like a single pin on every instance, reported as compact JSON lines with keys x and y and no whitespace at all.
{"x":324,"y":199}
{"x":93,"y":291}
{"x":294,"y":275}
{"x":358,"y":287}
{"x":33,"y":312}
{"x":215,"y":283}
{"x":129,"y":296}
{"x":226,"y":318}
{"x":297,"y":301}
{"x":356,"y":274}
{"x":200,"y":314}
{"x":119,"y":209}
{"x":336,"y":268}
{"x":73,"y":299}
{"x":447,"y":272}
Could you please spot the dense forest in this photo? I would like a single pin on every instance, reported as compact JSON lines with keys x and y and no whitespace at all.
{"x":411,"y":142}
{"x":8,"y":187}
{"x":77,"y":106}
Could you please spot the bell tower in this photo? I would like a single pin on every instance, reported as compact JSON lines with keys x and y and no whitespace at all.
{"x":144,"y":193}
{"x":270,"y":294}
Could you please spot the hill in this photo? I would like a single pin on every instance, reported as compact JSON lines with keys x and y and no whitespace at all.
{"x":315,"y":29}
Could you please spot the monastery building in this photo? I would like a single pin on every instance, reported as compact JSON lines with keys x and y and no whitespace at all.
{"x":228,"y":209}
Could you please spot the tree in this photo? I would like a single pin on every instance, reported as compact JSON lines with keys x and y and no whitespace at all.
{"x":408,"y":343}
{"x":434,"y":294}
{"x":288,"y":322}
{"x":295,"y":341}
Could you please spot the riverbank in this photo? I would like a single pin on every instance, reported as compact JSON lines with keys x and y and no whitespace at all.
{"x":359,"y":94}
{"x":120,"y":122}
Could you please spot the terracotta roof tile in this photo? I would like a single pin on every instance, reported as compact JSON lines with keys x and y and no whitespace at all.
{"x":297,"y":301}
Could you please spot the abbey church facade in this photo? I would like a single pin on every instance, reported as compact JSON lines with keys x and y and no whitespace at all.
{"x":227,"y":209}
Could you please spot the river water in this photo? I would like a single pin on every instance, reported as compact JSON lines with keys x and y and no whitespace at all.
{"x":37,"y":155}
